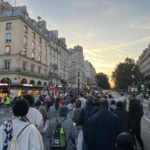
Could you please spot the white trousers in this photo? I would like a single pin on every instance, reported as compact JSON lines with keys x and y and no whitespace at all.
{"x":79,"y":140}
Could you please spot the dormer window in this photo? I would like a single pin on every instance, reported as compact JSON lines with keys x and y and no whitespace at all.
{"x":25,"y":29}
{"x":40,"y":40}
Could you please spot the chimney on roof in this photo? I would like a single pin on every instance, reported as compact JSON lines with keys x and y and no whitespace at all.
{"x":39,"y":18}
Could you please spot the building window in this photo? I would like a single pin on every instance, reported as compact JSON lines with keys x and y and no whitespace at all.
{"x":33,"y":54}
{"x":7,"y":64}
{"x":40,"y":40}
{"x":24,"y":50}
{"x":39,"y":57}
{"x":25,"y":41}
{"x":8,"y":38}
{"x":34,"y":35}
{"x":25,"y":29}
{"x":7,"y":49}
{"x":32,"y":68}
{"x":33,"y":45}
{"x":39,"y":70}
{"x":52,"y":52}
{"x":40,"y":49}
{"x":8,"y":26}
{"x":45,"y":71}
{"x":24,"y":65}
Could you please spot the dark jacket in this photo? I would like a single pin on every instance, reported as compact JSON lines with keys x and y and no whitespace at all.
{"x":103,"y":130}
{"x":76,"y":116}
{"x":135,"y":114}
{"x":124,"y":118}
{"x":86,"y":114}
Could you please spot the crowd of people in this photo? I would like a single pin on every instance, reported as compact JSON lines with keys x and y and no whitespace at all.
{"x":73,"y":122}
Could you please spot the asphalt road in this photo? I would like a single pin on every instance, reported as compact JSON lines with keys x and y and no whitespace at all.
{"x":4,"y":115}
{"x":145,"y":123}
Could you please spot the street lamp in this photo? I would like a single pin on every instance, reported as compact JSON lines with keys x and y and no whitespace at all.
{"x":78,"y":82}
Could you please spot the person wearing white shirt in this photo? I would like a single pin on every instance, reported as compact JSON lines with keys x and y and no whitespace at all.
{"x":34,"y":115}
{"x":28,"y":136}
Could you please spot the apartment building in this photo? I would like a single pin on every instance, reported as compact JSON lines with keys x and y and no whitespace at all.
{"x":144,"y":64}
{"x":90,"y":73}
{"x":76,"y":78}
{"x":29,"y":52}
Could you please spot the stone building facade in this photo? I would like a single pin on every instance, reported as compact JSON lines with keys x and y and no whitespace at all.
{"x":29,"y":52}
{"x":90,"y":73}
{"x":144,"y":64}
{"x":76,"y":77}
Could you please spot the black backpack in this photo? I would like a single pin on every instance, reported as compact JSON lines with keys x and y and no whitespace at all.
{"x":59,"y":138}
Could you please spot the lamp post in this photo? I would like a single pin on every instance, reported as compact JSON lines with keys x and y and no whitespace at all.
{"x":73,"y":76}
{"x":78,"y":82}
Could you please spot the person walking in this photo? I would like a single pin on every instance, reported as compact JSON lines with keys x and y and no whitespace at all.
{"x":86,"y":113}
{"x":104,"y":127}
{"x":28,"y":136}
{"x":67,"y":125}
{"x":125,"y":141}
{"x":135,"y":115}
{"x":53,"y":110}
{"x":7,"y":103}
{"x":123,"y":116}
{"x":33,"y":114}
{"x":76,"y":120}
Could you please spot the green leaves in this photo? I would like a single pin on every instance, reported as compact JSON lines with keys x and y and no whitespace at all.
{"x":126,"y":73}
{"x":102,"y":81}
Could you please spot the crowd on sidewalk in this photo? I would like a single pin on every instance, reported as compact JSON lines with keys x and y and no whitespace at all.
{"x":73,"y":122}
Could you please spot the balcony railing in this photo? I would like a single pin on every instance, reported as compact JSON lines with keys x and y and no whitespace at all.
{"x":22,"y":72}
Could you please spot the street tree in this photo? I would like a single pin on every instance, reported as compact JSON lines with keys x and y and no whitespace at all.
{"x":126,"y":73}
{"x":102,"y":81}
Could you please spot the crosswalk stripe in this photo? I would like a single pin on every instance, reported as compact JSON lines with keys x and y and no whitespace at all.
{"x":147,"y":118}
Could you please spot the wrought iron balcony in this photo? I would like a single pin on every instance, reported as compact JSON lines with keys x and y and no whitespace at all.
{"x":23,"y":72}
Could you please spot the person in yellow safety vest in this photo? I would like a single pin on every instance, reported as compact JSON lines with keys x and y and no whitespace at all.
{"x":7,"y":103}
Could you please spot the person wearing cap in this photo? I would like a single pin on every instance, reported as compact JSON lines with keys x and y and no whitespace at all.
{"x":28,"y":135}
{"x":104,"y":127}
{"x":125,"y":141}
{"x":67,"y":124}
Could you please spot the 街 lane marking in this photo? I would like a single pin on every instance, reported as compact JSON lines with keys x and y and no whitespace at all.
{"x":146,"y":118}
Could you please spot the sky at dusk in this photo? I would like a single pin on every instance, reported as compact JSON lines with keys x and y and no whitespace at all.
{"x":108,"y":30}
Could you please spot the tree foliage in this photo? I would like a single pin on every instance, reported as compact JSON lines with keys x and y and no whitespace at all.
{"x":126,"y":74}
{"x":102,"y":81}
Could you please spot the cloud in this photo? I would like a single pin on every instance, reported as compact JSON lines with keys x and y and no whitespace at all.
{"x":133,"y":43}
{"x":141,"y":27}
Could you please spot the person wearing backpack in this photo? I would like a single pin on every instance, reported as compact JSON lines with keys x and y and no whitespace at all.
{"x":61,"y":131}
{"x":18,"y":133}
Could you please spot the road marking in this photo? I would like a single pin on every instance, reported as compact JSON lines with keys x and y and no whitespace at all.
{"x":147,"y":118}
